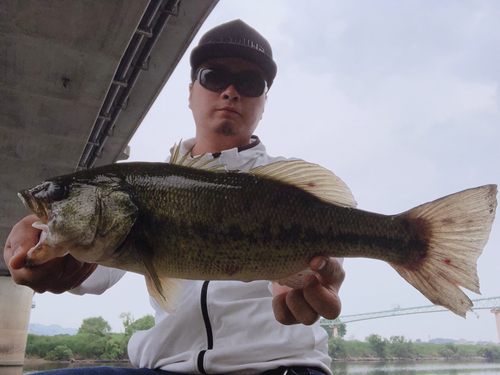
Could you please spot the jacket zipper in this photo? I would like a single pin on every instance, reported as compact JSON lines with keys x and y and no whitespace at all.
{"x":208,"y":326}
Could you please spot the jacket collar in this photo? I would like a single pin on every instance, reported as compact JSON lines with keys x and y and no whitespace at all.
{"x":233,"y":158}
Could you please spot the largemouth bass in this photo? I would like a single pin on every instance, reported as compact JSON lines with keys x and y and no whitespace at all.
{"x":188,"y":220}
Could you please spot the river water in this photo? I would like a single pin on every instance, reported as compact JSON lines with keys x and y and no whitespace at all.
{"x":417,"y":368}
{"x":338,"y":368}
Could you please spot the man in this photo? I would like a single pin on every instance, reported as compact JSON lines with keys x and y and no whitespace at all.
{"x":220,"y":326}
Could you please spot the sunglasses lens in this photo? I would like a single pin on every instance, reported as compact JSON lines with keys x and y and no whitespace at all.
{"x":248,"y":83}
{"x":212,"y":79}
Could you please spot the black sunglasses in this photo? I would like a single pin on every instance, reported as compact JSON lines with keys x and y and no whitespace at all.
{"x":248,"y":83}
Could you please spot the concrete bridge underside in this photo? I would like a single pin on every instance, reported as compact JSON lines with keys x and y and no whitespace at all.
{"x":76,"y":80}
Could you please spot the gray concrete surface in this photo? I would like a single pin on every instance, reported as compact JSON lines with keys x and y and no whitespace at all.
{"x":15,"y":309}
{"x":57,"y":61}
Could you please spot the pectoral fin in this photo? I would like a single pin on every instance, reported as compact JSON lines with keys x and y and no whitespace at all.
{"x":163,"y":289}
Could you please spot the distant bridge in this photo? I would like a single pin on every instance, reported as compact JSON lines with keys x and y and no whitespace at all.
{"x":492,"y":303}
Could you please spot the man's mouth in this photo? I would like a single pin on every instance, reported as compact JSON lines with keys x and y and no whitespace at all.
{"x":229,"y":109}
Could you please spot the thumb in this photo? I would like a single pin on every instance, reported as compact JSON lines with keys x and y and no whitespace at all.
{"x":21,"y":239}
{"x":329,"y":270}
{"x":18,"y":259}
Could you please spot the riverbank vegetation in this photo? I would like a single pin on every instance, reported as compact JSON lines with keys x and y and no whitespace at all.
{"x":95,"y":341}
{"x":397,"y":347}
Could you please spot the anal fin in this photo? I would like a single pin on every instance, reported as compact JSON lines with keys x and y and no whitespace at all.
{"x":295,"y":281}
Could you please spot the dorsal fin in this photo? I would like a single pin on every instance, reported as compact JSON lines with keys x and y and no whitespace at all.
{"x":199,"y":162}
{"x":312,"y":178}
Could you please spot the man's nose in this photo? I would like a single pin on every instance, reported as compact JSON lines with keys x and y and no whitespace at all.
{"x":231,"y":93}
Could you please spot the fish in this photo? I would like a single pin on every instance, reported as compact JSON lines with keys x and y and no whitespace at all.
{"x":192,"y":219}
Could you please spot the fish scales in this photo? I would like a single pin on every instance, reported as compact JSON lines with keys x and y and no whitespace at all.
{"x":169,"y":221}
{"x":245,"y":227}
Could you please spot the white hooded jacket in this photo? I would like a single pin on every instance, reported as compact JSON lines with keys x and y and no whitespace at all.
{"x":221,"y":327}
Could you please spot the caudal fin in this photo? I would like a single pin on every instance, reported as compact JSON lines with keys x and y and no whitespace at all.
{"x":459,"y":226}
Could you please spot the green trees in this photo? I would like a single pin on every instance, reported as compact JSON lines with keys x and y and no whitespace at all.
{"x":141,"y":324}
{"x":489,"y":352}
{"x":378,"y":344}
{"x":95,"y":326}
{"x":94,"y":340}
{"x":400,"y":348}
{"x":337,"y":348}
{"x":342,"y":330}
{"x":396,"y":347}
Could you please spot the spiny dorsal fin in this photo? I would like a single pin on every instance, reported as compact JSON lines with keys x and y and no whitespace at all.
{"x":312,"y":178}
{"x":199,"y":162}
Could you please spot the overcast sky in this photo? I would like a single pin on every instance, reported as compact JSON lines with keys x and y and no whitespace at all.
{"x":399,"y":98}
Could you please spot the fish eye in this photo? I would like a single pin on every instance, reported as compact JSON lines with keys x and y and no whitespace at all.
{"x":56,"y":192}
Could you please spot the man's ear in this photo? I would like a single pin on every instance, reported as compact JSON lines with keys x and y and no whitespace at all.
{"x":190,"y":94}
{"x":263,"y":108}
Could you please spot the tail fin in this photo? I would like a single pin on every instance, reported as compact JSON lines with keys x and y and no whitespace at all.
{"x":459,"y":225}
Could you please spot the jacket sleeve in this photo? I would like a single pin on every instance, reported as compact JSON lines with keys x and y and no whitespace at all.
{"x":101,"y":279}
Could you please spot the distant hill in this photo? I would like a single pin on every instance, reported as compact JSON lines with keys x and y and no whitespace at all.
{"x":462,"y":341}
{"x":52,"y":330}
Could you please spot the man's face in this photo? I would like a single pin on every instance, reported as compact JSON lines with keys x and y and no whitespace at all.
{"x":226,"y":113}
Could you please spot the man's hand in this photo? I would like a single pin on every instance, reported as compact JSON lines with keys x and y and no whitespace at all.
{"x":57,"y":275}
{"x":318,"y":296}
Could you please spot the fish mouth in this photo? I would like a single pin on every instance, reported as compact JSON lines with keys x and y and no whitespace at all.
{"x":34,"y":205}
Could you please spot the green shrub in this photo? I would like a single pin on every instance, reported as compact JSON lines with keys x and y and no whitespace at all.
{"x":378,"y":344}
{"x":60,"y":353}
{"x":401,"y":348}
{"x":489,"y":352}
{"x":337,"y":348}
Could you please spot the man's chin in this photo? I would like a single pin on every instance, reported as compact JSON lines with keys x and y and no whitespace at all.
{"x":225,"y":129}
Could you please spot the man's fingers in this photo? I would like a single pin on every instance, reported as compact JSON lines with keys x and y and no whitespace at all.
{"x":300,"y":308}
{"x":321,"y":292}
{"x":281,"y":311}
{"x":330,"y":271}
{"x":291,"y":308}
{"x":325,"y":301}
{"x":39,"y":278}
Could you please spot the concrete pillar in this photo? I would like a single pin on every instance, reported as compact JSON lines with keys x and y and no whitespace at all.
{"x":497,"y":318}
{"x":15,"y":309}
{"x":335,"y":330}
